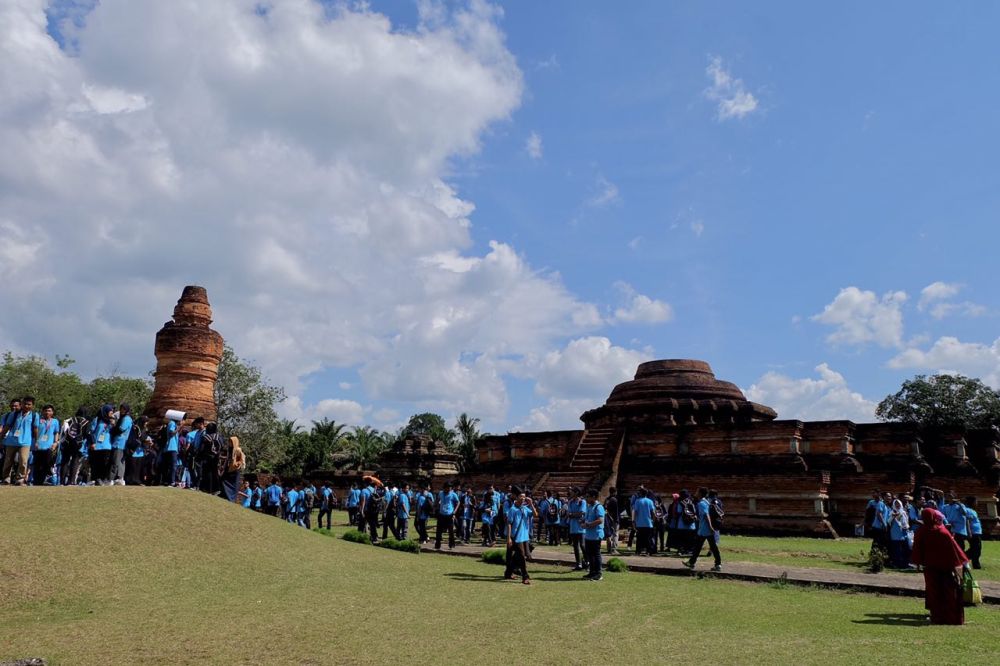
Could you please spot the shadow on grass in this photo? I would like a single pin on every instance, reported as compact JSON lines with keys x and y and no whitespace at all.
{"x":895,"y":619}
{"x":547,"y":578}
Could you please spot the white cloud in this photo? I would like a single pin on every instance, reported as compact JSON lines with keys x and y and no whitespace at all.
{"x":860,"y":317}
{"x":698,"y":227}
{"x":293,"y":163}
{"x":948,"y":355}
{"x":732,"y":97}
{"x":557,"y":414}
{"x":936,"y":297}
{"x":533,"y":146}
{"x":345,"y":385}
{"x":342,"y":411}
{"x":586,"y":368}
{"x":824,"y":398}
{"x":607,"y":193}
{"x":640,"y":309}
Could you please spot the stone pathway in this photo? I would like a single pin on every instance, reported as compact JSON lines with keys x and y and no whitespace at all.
{"x":911,"y":584}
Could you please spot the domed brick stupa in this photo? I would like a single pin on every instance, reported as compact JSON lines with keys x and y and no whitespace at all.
{"x":188,"y":353}
{"x":676,"y":426}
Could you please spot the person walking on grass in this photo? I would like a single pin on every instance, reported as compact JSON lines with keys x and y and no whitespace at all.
{"x":942,"y":560}
{"x":45,"y":447}
{"x":642,"y":519}
{"x":402,"y":513}
{"x":575,"y":512}
{"x":447,"y":504}
{"x":611,"y":516}
{"x":706,"y":532}
{"x":19,"y":433}
{"x":325,"y":497}
{"x":593,"y":526}
{"x":975,"y":549}
{"x":519,"y":537}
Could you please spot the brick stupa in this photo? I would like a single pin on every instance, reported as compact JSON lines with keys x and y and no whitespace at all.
{"x":188,"y":353}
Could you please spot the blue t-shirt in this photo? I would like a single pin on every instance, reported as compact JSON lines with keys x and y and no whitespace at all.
{"x":977,"y":527}
{"x":881,"y":519}
{"x":257,"y":494}
{"x":486,"y":513}
{"x":403,"y":507}
{"x":46,"y":434}
{"x":642,"y":512}
{"x":704,"y":530}
{"x":100,"y":435}
{"x":896,"y":531}
{"x":126,"y":428}
{"x":468,"y":507}
{"x":576,"y":505}
{"x":248,"y":498}
{"x":520,"y":525}
{"x":293,"y":500}
{"x":194,"y":439}
{"x":172,"y":442}
{"x":324,"y":498}
{"x":274,"y":494}
{"x":448,"y":502}
{"x":594,"y":512}
{"x":353,"y":497}
{"x":20,"y":426}
{"x":552,"y":514}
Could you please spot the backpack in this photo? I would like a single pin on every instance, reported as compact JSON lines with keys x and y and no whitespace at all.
{"x":132,"y":443}
{"x":870,"y":515}
{"x":688,"y":513}
{"x":716,"y":514}
{"x":310,"y":499}
{"x":553,"y":510}
{"x":375,"y":505}
{"x":75,"y":435}
{"x":211,"y":447}
{"x":163,"y":436}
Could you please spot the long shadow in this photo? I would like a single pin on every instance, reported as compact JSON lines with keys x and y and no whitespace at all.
{"x":895,"y":619}
{"x":548,"y":578}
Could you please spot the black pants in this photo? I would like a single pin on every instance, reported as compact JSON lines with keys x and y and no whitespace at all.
{"x":420,"y":524}
{"x":592,"y":550}
{"x":712,"y":546}
{"x":960,"y":540}
{"x":516,"y":562}
{"x":271,"y":510}
{"x":578,"y":551}
{"x":661,"y":535}
{"x":325,"y":512}
{"x":168,"y":468}
{"x":445,"y":523}
{"x":553,"y":530}
{"x":402,"y":528}
{"x":645,"y":540}
{"x":487,"y":534}
{"x":880,"y":540}
{"x":975,"y":550}
{"x":41,"y":465}
{"x":133,"y":470}
{"x":371,"y":520}
{"x":70,"y":468}
{"x":100,"y":466}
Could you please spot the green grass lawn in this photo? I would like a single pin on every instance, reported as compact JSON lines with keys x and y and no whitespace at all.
{"x":844,"y":554}
{"x":156,"y":575}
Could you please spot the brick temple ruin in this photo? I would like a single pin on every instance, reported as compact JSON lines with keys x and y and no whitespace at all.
{"x":676,"y":426}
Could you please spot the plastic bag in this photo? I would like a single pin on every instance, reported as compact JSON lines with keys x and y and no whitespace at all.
{"x":971,"y":594}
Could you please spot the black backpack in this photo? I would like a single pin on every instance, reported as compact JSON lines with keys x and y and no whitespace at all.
{"x":688,"y":513}
{"x":870,"y":515}
{"x":716,"y":514}
{"x":211,"y":447}
{"x":132,"y":443}
{"x":375,"y":505}
{"x":76,"y":434}
{"x":163,"y":436}
{"x":553,"y":510}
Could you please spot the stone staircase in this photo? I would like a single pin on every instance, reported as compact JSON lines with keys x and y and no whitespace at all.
{"x":584,"y":466}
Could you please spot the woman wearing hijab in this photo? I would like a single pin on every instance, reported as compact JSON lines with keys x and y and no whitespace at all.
{"x":231,"y":464}
{"x":935,"y":549}
{"x":100,"y":446}
{"x":899,"y":528}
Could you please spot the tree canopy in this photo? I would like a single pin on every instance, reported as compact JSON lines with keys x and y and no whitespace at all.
{"x":247,"y":406}
{"x":942,"y":401}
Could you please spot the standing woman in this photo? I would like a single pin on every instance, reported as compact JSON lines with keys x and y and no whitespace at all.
{"x":231,"y":464}
{"x":899,"y":527}
{"x":935,"y":549}
{"x":100,"y":446}
{"x":136,"y":458}
{"x":45,"y":446}
{"x":119,"y":440}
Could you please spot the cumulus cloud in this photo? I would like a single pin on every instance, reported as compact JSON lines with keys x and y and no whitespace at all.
{"x":341,"y":411}
{"x":860,"y":317}
{"x":557,"y":414}
{"x":936,"y":299}
{"x":639,"y":308}
{"x":949,"y":355}
{"x":732,"y":98}
{"x":606,"y":193}
{"x":825,"y":397}
{"x":292,"y":161}
{"x":533,"y":146}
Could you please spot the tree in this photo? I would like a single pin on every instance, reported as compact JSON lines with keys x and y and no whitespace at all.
{"x":362,"y":447}
{"x":942,"y":401}
{"x":431,"y":425}
{"x":247,"y":409}
{"x":310,"y":451}
{"x":468,"y":435}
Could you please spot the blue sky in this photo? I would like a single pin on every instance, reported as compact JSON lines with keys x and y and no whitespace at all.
{"x":736,"y":169}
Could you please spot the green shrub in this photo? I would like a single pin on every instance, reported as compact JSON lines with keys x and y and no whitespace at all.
{"x":323,"y":531}
{"x":405,"y":546}
{"x":616,"y":565}
{"x":494,"y":557}
{"x":779,"y":583}
{"x":876,"y":560}
{"x":356,"y":536}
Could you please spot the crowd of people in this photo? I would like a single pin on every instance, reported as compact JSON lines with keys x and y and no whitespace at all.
{"x":111,"y":447}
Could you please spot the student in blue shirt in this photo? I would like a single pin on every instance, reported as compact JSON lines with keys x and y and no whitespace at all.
{"x":551,"y":517}
{"x":486,"y":513}
{"x":168,"y":453}
{"x":642,"y":520}
{"x":447,"y":504}
{"x":401,"y":512}
{"x":575,"y":512}
{"x":975,"y":549}
{"x":706,"y":532}
{"x":120,"y":431}
{"x":351,"y":503}
{"x":20,"y":432}
{"x":593,"y":526}
{"x":899,"y":528}
{"x":388,"y":511}
{"x":519,"y":537}
{"x":423,"y":509}
{"x":468,"y":509}
{"x":258,"y":495}
{"x":325,"y":500}
{"x":958,"y":520}
{"x":273,"y":494}
{"x":135,"y":458}
{"x":45,"y":446}
{"x":100,"y":446}
{"x":194,"y":439}
{"x":245,"y":496}
{"x":292,"y":505}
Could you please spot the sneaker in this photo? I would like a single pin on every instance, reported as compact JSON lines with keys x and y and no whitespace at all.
{"x":526,"y":581}
{"x":578,"y":568}
{"x":588,"y":576}
{"x":596,"y":578}
{"x":717,"y":568}
{"x":688,"y":564}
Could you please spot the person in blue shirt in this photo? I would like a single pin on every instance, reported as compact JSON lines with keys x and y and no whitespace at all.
{"x":325,"y":500}
{"x":258,"y":496}
{"x":447,"y":504}
{"x":899,"y":531}
{"x":519,"y":537}
{"x":486,"y":513}
{"x":642,"y":520}
{"x":707,"y":531}
{"x":958,"y":520}
{"x":877,"y":517}
{"x":245,"y":496}
{"x":575,"y":512}
{"x":593,"y":526}
{"x":388,"y":512}
{"x":20,"y":432}
{"x":425,"y":508}
{"x":351,"y":504}
{"x":168,"y":452}
{"x":194,"y":440}
{"x":975,"y":549}
{"x":120,"y":430}
{"x":100,"y":446}
{"x":468,"y":513}
{"x":551,"y":517}
{"x":135,"y":459}
{"x":45,"y":446}
{"x":401,"y":512}
{"x":273,"y":494}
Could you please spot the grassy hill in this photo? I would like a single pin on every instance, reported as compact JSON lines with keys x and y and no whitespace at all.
{"x":157,"y":575}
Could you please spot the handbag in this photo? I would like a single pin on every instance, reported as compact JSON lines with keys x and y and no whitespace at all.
{"x":971,"y":594}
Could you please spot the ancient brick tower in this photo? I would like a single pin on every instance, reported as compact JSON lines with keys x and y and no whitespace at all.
{"x":188,"y":353}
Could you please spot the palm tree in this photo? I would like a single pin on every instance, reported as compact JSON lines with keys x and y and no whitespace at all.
{"x":468,"y":433}
{"x":363,"y":445}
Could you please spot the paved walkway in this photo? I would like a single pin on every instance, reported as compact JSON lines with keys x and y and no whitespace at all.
{"x":911,"y":584}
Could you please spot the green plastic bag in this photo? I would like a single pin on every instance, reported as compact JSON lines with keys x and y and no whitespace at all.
{"x":971,"y":594}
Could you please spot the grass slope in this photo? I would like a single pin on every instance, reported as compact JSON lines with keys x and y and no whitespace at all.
{"x":137,"y":575}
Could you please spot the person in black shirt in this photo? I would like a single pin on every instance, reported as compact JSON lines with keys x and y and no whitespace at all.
{"x":611,"y":521}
